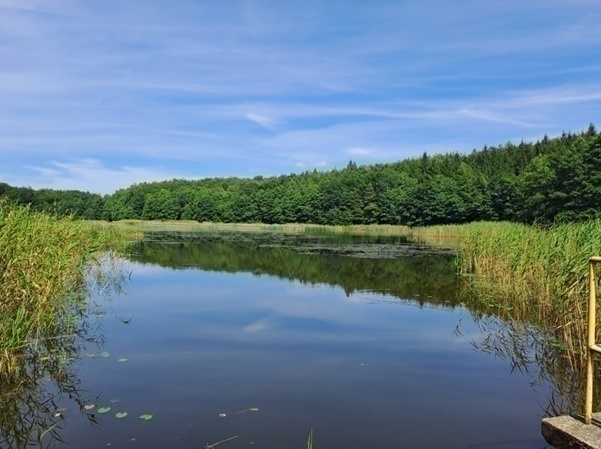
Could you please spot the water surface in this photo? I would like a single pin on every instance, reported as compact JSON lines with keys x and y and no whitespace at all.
{"x":365,"y":342}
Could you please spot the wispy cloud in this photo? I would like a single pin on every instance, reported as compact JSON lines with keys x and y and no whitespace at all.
{"x":263,"y":121}
{"x":360,"y":151}
{"x":74,"y":175}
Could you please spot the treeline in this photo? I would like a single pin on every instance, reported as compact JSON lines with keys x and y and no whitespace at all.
{"x":89,"y":206}
{"x":551,"y":180}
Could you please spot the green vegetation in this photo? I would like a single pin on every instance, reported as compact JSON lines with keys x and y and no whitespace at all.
{"x":75,"y":203}
{"x":189,"y":226}
{"x":46,"y":263}
{"x":310,"y":440}
{"x":42,"y":273}
{"x":533,"y":274}
{"x":547,"y":181}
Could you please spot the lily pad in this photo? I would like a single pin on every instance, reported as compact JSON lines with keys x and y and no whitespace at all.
{"x":92,"y":356}
{"x":121,"y":415}
{"x":146,"y":417}
{"x":122,"y":360}
{"x":89,"y":406}
{"x":62,"y":409}
{"x":104,"y":409}
{"x":105,"y":354}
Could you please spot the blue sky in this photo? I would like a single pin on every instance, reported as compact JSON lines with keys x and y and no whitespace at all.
{"x":97,"y":95}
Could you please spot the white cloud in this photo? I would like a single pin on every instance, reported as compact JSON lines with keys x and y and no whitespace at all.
{"x":301,"y":164}
{"x":45,"y":171}
{"x":91,"y":175}
{"x":263,"y":121}
{"x":307,"y":159}
{"x":359,"y":151}
{"x":259,"y":325}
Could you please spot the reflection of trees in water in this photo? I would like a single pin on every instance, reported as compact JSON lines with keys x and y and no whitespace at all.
{"x":36,"y":379}
{"x":424,"y":276}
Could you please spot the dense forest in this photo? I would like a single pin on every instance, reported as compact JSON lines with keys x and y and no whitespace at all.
{"x":554,"y":179}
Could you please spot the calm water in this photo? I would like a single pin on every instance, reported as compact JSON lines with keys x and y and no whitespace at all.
{"x":363,"y":341}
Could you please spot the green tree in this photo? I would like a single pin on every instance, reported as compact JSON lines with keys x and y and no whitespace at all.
{"x":161,"y":205}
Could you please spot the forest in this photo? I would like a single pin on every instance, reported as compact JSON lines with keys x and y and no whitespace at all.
{"x":551,"y":180}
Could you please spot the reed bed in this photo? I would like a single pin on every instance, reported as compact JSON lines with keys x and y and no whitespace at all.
{"x":43,"y":262}
{"x":143,"y":226}
{"x":529,"y":273}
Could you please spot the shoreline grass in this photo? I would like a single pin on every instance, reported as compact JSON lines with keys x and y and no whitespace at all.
{"x":534,"y":274}
{"x":142,"y":226}
{"x":43,"y":263}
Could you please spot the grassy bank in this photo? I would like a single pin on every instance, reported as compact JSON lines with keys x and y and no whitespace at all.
{"x":42,"y":268}
{"x":191,"y":226}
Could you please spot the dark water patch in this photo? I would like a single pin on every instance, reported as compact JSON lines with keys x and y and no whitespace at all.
{"x":372,"y":251}
{"x":353,"y":245}
{"x":419,"y":273}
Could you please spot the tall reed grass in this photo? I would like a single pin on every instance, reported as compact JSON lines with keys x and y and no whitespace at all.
{"x":529,"y":273}
{"x":42,"y":267}
{"x":191,"y":226}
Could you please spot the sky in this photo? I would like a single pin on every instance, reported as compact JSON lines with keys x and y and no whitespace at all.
{"x":97,"y":95}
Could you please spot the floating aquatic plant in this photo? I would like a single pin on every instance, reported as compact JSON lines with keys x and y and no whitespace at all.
{"x":211,"y":446}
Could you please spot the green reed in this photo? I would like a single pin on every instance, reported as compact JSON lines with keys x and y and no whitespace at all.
{"x":310,"y":440}
{"x":142,"y":226}
{"x":529,"y":273}
{"x":43,"y":262}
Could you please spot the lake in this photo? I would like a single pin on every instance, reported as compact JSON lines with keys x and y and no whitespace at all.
{"x":240,"y":340}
